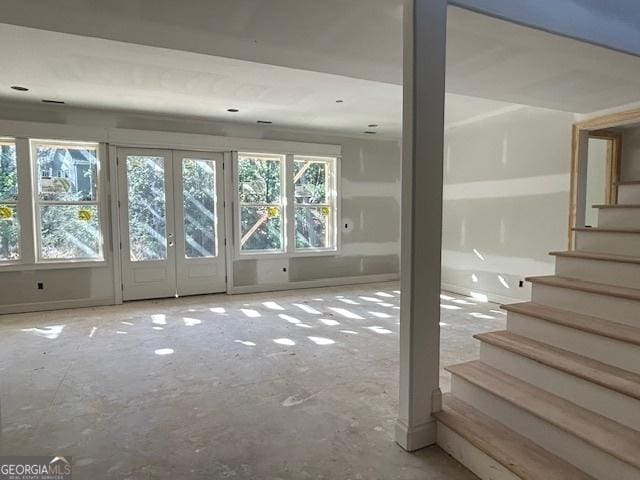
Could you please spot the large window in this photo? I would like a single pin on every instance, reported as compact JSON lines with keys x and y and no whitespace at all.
{"x":66,"y":201}
{"x":314,"y":189}
{"x":9,"y":226}
{"x":260,"y":189}
{"x":286,"y":216}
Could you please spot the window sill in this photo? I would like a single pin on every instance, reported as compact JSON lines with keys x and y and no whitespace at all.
{"x":59,"y":265}
{"x":297,"y":254}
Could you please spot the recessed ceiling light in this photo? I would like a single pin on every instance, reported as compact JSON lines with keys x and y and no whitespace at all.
{"x":264,"y":122}
{"x":57,"y":102}
{"x":339,"y":101}
{"x":19,"y":88}
{"x":373,"y":125}
{"x":233,"y":110}
{"x":369,"y":132}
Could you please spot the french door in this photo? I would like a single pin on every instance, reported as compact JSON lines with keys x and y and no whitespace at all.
{"x":171,"y":223}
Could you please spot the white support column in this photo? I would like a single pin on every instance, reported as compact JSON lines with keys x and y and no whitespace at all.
{"x":423,"y":141}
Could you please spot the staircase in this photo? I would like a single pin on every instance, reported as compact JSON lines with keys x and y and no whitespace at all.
{"x":557,"y":395}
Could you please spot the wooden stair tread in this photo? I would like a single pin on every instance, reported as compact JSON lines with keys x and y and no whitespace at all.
{"x":613,"y":378}
{"x":585,"y":286}
{"x":608,"y":257}
{"x":606,"y":230}
{"x":519,"y":455}
{"x":598,"y":326}
{"x":618,"y":205}
{"x":606,"y":435}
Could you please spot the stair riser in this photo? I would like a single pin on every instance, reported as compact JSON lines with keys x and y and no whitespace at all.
{"x":619,"y":217}
{"x":611,"y":273}
{"x":608,"y":242}
{"x":485,"y":467}
{"x":574,"y":450}
{"x":602,"y":400}
{"x":611,"y":308}
{"x":612,"y":352}
{"x":629,"y":194}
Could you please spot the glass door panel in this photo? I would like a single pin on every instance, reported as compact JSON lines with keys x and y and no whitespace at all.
{"x":200,"y":263}
{"x":147,"y":223}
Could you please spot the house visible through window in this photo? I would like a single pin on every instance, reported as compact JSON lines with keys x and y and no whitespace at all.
{"x":66,"y":203}
{"x":9,"y":225}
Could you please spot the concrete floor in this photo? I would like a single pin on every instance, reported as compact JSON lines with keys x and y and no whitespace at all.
{"x":291,"y":385}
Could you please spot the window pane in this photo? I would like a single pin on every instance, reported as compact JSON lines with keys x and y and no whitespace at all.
{"x":310,"y":181}
{"x":260,"y":228}
{"x":9,"y":233}
{"x":259,"y":179}
{"x":199,"y":183}
{"x":67,"y":173}
{"x":69,"y":232}
{"x":312,"y":227}
{"x":147,"y":210}
{"x":8,"y":172}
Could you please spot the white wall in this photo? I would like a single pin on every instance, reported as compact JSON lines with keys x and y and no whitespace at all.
{"x":630,"y":165}
{"x":370,"y":199}
{"x":507,"y":196}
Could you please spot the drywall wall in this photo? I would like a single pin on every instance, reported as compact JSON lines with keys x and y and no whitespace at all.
{"x":630,"y":164}
{"x":370,"y":181}
{"x":506,"y":200}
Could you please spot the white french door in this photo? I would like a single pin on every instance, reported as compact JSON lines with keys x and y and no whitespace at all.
{"x":171,"y":223}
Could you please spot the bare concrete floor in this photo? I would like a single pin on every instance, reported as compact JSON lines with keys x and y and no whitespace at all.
{"x":293,"y":385}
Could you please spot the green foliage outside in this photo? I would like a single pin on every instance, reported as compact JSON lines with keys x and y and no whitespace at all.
{"x":9,"y":229}
{"x":311,"y":189}
{"x":259,"y":184}
{"x":199,"y":182}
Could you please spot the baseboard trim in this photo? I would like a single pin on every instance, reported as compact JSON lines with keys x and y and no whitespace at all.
{"x":56,"y":305}
{"x":415,"y":438}
{"x":492,"y":297}
{"x":325,"y":282}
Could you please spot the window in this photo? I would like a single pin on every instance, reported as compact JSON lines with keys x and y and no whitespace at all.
{"x":260,"y":189}
{"x":296,"y":216}
{"x":9,"y":226}
{"x":314,"y":190}
{"x":66,"y":201}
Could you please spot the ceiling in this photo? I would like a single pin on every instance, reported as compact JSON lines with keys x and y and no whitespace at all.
{"x":495,"y":62}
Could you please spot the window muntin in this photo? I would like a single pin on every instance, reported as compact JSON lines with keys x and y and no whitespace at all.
{"x":260,"y":199}
{"x":66,"y":201}
{"x":199,"y":208}
{"x":9,"y":225}
{"x":314,"y":194}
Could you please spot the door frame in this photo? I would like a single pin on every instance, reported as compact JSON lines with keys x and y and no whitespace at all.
{"x":580,"y":133}
{"x":115,"y":192}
